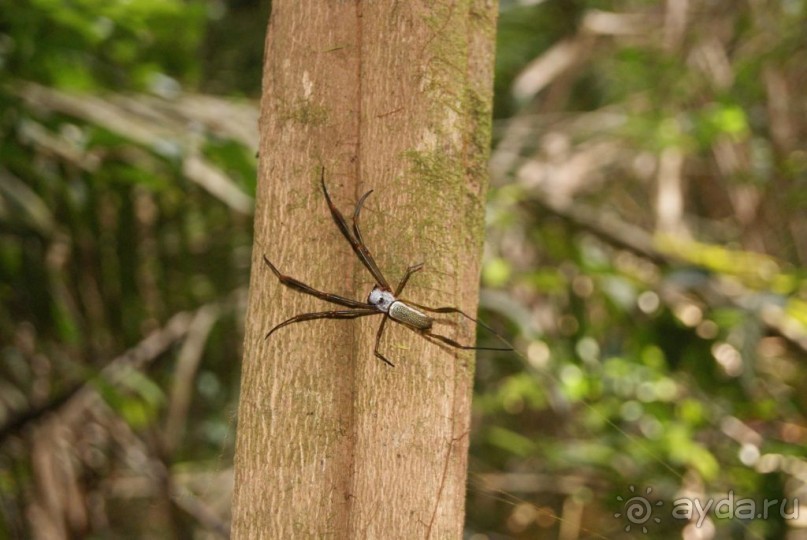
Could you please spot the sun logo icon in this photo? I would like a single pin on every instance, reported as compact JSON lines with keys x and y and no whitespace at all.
{"x":638,"y":510}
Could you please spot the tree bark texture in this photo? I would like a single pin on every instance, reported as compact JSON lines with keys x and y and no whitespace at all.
{"x":396,"y":97}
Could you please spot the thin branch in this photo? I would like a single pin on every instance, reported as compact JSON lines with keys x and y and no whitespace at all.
{"x":607,"y":228}
{"x":635,"y":240}
{"x":187,"y":365}
{"x":137,"y":357}
{"x":163,"y":131}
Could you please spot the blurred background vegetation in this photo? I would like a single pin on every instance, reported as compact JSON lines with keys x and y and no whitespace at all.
{"x":646,"y":253}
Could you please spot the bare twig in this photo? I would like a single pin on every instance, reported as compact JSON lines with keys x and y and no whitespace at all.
{"x":163,"y":129}
{"x":607,"y":228}
{"x":186,"y":366}
{"x":633,"y":239}
{"x":135,"y":358}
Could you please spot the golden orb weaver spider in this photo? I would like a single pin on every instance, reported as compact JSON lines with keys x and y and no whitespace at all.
{"x":382,"y":300}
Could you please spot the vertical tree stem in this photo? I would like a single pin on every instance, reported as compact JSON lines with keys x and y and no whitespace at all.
{"x":391,"y":96}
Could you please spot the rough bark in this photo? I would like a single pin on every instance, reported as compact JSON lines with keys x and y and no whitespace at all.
{"x":391,"y":96}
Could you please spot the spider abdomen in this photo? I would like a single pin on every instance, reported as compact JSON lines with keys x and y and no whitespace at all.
{"x":409,"y":316}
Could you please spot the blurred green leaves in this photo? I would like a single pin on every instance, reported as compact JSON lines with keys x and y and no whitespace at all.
{"x":90,"y":44}
{"x":659,"y":355}
{"x":646,"y":220}
{"x":125,"y":203}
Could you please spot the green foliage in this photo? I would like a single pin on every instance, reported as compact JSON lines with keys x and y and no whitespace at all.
{"x":92,"y":44}
{"x":663,"y":355}
{"x":112,"y":253}
{"x":667,"y":360}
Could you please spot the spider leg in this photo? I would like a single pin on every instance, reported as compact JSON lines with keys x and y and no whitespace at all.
{"x":378,"y":342}
{"x":356,"y":243}
{"x":307,"y":289}
{"x":409,"y":271}
{"x":360,"y":241}
{"x":448,"y":341}
{"x":455,"y":310}
{"x":356,"y":212}
{"x":341,"y":314}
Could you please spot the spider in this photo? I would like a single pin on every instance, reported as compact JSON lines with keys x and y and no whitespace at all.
{"x":382,"y":300}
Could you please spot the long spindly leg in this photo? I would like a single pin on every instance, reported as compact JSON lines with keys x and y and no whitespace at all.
{"x":358,"y":246}
{"x":409,"y":271}
{"x":307,"y":289}
{"x":449,"y":341}
{"x":356,"y":212}
{"x":378,"y":342}
{"x":341,"y":314}
{"x":455,"y":310}
{"x":360,"y":241}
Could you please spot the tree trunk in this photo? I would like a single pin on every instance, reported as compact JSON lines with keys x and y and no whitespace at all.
{"x":391,"y":96}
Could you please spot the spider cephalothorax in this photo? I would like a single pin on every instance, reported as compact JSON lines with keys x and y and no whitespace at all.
{"x":381,"y":299}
